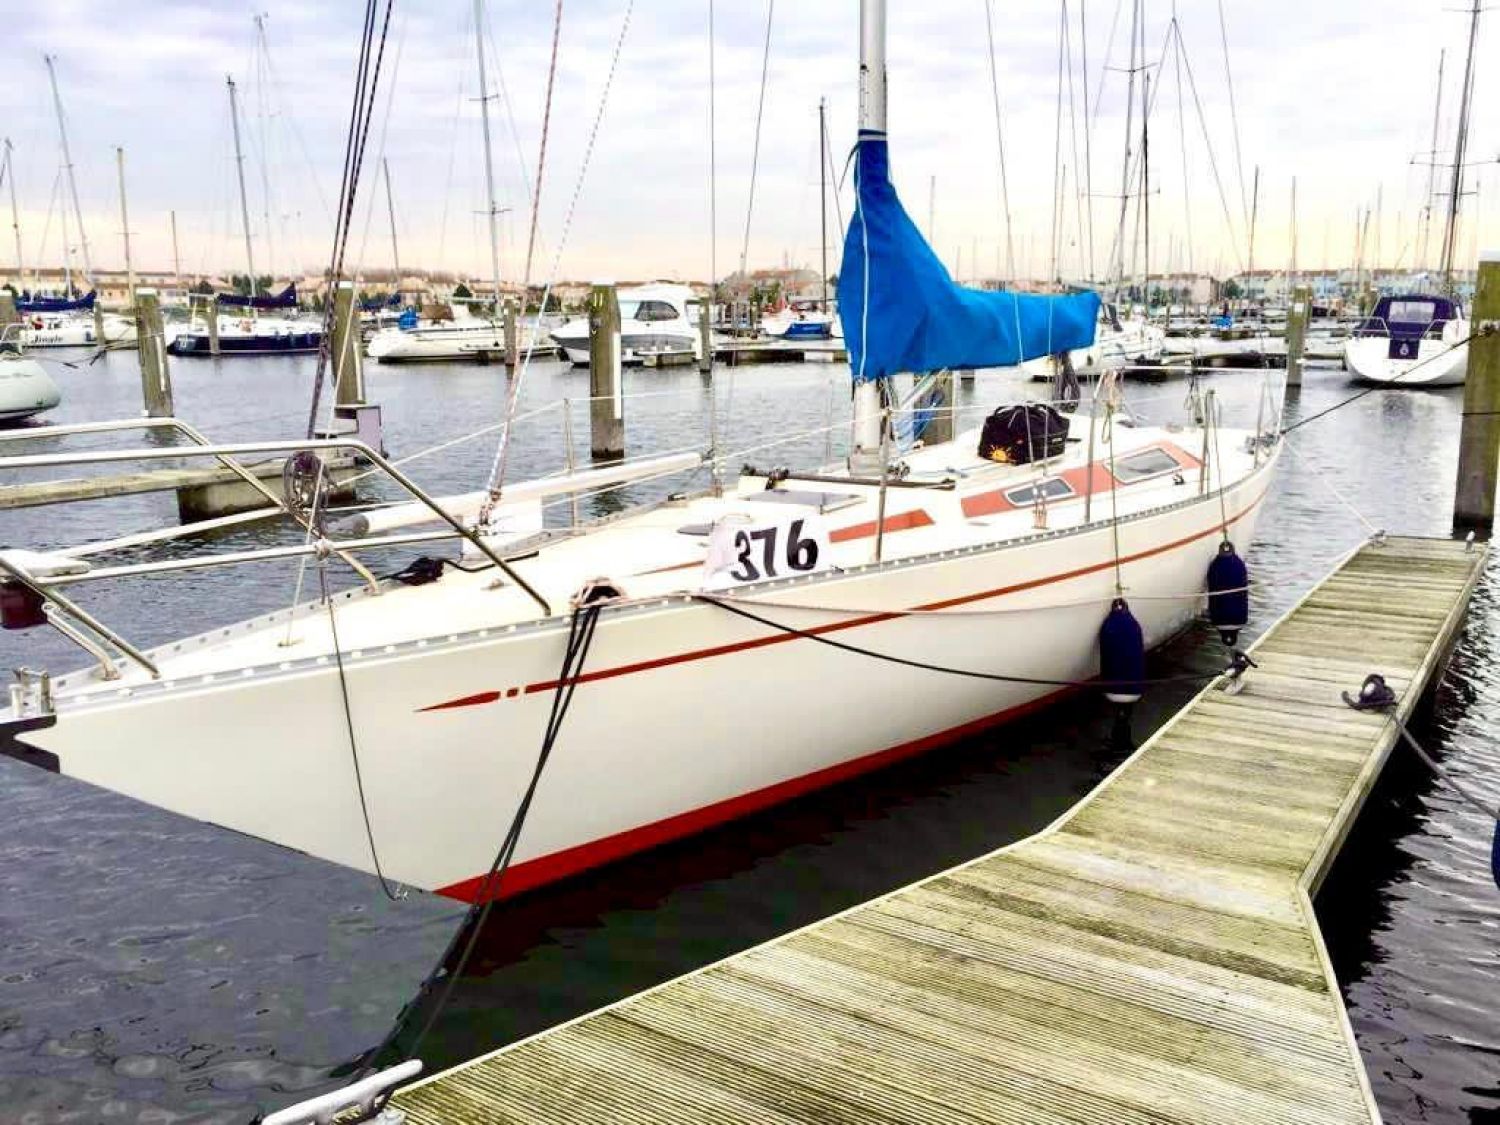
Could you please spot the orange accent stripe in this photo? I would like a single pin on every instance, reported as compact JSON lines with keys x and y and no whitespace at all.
{"x":903,"y":521}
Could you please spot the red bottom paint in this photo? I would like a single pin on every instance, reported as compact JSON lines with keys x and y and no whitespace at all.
{"x":572,"y":861}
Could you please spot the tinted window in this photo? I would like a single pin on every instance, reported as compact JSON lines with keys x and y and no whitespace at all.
{"x":655,"y":310}
{"x":1413,"y":312}
{"x":1147,"y":463}
{"x":1053,"y":489}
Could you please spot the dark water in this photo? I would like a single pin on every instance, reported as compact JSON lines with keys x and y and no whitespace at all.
{"x":155,"y":969}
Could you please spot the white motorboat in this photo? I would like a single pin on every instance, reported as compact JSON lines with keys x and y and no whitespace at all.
{"x":25,"y":389}
{"x":459,"y":336}
{"x":397,"y":726}
{"x":654,"y":319}
{"x":1410,"y":341}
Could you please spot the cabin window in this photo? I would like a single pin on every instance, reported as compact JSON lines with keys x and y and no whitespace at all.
{"x":1146,"y":463}
{"x":655,"y":310}
{"x":1054,"y":488}
{"x":1413,"y":312}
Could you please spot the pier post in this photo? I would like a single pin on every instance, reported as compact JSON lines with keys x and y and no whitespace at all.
{"x":8,"y":313}
{"x":706,"y":335}
{"x":99,"y":340}
{"x":606,"y":382}
{"x":151,"y":345}
{"x":1297,"y":317}
{"x":512,"y":337}
{"x":343,"y":348}
{"x":940,"y":428}
{"x":1479,"y":439}
{"x":211,"y":313}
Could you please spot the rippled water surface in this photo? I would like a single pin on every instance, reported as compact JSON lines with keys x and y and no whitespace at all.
{"x":157,"y":969}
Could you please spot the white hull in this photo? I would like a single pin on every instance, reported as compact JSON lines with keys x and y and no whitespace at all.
{"x":479,"y":341}
{"x":25,"y":389}
{"x":75,"y":332}
{"x":1110,"y":351}
{"x":687,"y":714}
{"x":1436,"y":364}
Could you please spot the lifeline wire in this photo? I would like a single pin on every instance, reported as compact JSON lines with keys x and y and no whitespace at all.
{"x":580,"y":638}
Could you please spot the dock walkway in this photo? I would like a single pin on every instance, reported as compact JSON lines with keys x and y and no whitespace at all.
{"x":1152,"y":956}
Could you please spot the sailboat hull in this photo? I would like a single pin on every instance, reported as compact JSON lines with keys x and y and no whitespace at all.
{"x":1435,"y":363}
{"x":687,"y":714}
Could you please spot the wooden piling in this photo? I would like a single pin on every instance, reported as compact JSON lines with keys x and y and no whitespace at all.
{"x":1296,"y":333}
{"x":1479,"y":438}
{"x":606,"y":381}
{"x":512,"y":337}
{"x":706,"y":336}
{"x":212,"y":316}
{"x":343,"y":348}
{"x":8,"y":313}
{"x":151,"y":345}
{"x":940,"y":427}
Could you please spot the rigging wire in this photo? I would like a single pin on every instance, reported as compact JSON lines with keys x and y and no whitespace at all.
{"x":367,"y":81}
{"x":1010,"y":248}
{"x":497,"y":470}
{"x":760,"y":108}
{"x":513,"y":395}
{"x":1213,"y":161}
{"x":1234,"y":119}
{"x":1187,"y":195}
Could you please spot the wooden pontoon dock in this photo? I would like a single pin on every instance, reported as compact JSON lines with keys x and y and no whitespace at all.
{"x":1153,"y":956}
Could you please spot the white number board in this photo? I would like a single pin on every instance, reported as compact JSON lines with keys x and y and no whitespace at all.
{"x":742,"y":548}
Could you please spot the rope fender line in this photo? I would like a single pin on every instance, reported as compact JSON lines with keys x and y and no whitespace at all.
{"x":1375,"y":695}
{"x":1239,"y":661}
{"x":582,"y":626}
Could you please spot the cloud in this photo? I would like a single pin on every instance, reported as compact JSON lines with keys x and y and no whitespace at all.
{"x":1337,"y":95}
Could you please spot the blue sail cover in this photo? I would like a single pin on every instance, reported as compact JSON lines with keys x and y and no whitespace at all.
{"x":917,"y":318}
{"x":286,"y":299}
{"x":29,"y":304}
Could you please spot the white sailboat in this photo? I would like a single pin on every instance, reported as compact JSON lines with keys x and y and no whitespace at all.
{"x":1421,"y":340}
{"x":736,"y":652}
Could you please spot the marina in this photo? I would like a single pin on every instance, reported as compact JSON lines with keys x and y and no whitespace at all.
{"x":1150,"y":955}
{"x":485,"y":642}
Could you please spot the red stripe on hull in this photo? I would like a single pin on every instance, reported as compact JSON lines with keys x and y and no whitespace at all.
{"x":572,"y":861}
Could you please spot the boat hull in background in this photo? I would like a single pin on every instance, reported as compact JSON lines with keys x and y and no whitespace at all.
{"x":1437,"y":363}
{"x":25,"y":389}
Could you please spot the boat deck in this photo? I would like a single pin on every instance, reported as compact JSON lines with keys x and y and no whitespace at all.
{"x":1152,"y":956}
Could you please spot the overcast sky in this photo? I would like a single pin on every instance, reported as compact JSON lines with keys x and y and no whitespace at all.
{"x":1338,"y":93}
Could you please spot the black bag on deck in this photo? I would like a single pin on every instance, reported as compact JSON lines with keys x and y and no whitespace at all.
{"x":1025,"y":432}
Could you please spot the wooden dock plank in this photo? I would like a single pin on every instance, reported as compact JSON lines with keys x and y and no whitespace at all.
{"x":1150,"y":957}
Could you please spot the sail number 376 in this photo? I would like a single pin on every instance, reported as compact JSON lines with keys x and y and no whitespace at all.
{"x":761,"y":551}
